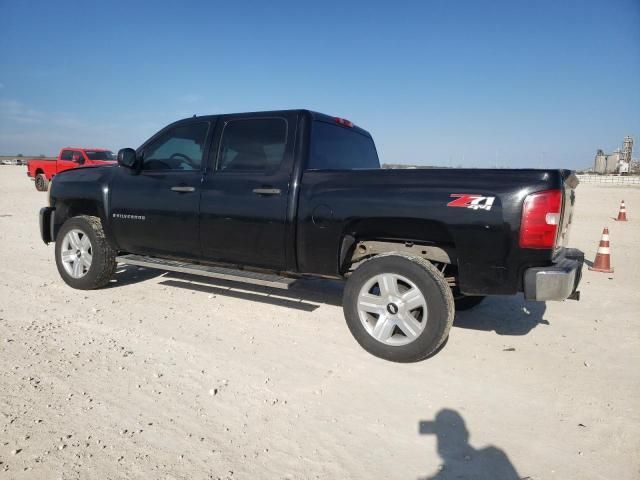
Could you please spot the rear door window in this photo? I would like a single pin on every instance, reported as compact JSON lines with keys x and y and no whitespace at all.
{"x":334,"y":147}
{"x":66,"y":155}
{"x":254,"y":145}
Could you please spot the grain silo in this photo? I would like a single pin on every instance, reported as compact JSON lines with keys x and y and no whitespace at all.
{"x":617,"y":162}
{"x":613,"y":160}
{"x":600,"y":162}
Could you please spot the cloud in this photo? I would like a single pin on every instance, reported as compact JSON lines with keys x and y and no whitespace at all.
{"x":17,"y":112}
{"x":30,"y":131}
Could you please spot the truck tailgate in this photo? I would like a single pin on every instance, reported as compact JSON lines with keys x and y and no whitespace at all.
{"x":570,"y":182}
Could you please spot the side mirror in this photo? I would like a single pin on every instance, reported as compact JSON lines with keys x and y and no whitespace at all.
{"x":127,"y":157}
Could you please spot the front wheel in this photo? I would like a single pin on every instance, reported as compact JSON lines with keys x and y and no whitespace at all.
{"x":398,"y":307}
{"x":84,"y":258}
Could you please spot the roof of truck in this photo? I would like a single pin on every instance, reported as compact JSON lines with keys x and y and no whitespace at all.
{"x":315,"y":115}
{"x":86,"y":148}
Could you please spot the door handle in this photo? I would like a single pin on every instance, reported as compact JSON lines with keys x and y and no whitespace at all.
{"x":183,"y":189}
{"x":266,"y":191}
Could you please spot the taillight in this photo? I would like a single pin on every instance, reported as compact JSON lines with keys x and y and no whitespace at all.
{"x":540,"y":219}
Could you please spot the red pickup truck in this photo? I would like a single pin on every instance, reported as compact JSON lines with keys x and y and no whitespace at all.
{"x":42,"y":171}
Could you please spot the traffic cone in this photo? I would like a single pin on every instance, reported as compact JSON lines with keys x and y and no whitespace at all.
{"x":602,"y":263}
{"x":622,"y":213}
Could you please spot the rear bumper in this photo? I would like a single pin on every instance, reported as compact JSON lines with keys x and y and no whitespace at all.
{"x":558,"y":281}
{"x":46,"y":224}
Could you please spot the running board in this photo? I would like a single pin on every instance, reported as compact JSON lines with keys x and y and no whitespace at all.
{"x":244,"y":276}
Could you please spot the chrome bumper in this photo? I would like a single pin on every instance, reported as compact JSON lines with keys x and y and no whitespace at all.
{"x":558,"y":281}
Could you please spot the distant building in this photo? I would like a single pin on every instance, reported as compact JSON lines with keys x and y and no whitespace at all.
{"x":623,"y":167}
{"x":617,"y":162}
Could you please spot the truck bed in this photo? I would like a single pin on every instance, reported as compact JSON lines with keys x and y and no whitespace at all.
{"x":426,"y":206}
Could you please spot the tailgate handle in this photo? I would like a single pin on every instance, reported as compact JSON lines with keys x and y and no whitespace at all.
{"x":266,"y":191}
{"x":183,"y":189}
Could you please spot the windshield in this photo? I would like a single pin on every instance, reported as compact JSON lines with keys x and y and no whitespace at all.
{"x":100,"y":155}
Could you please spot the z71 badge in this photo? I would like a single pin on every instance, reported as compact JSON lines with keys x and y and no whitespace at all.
{"x":472,"y":201}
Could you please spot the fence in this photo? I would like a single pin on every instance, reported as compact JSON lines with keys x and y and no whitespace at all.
{"x":610,"y":179}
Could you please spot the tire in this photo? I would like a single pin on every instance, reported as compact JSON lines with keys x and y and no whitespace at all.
{"x":41,"y":182}
{"x":464,"y":302}
{"x":414,"y":287}
{"x":77,"y":237}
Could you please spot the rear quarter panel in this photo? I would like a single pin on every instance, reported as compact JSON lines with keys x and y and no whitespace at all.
{"x":48,"y":167}
{"x":413,"y":205}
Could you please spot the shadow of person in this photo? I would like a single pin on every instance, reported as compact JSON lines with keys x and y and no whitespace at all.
{"x":461,"y":460}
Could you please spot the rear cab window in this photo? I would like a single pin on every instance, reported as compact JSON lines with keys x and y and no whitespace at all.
{"x":335,"y":147}
{"x":99,"y":154}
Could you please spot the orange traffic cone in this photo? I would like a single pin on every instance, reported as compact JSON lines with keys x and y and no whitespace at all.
{"x":622,"y":213}
{"x":602,"y":263}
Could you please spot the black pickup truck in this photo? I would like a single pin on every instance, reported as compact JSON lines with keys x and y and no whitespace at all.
{"x":269,"y":197}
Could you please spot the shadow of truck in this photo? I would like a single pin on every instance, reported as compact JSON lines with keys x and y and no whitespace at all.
{"x":505,"y":315}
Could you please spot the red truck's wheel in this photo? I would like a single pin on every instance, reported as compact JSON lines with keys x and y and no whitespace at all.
{"x":84,"y":258}
{"x":398,"y":307}
{"x":42,"y":184}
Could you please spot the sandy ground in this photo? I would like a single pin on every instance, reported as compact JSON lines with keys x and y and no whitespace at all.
{"x":172,"y":377}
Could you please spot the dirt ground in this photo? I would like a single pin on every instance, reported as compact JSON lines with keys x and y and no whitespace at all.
{"x":172,"y":377}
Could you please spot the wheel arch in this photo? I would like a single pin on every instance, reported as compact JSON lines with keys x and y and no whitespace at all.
{"x":66,"y":209}
{"x":420,"y":238}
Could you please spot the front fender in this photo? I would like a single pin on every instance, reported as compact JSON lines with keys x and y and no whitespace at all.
{"x":82,"y":191}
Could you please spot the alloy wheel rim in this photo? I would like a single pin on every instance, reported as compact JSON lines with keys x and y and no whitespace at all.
{"x":76,"y":253}
{"x":392,"y":309}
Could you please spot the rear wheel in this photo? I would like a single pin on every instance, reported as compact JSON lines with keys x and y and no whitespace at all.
{"x":84,"y":258}
{"x":41,"y":182}
{"x":398,"y":307}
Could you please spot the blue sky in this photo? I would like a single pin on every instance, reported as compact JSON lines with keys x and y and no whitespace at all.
{"x":513,"y":83}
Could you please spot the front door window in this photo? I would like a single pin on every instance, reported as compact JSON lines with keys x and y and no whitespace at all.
{"x":180,"y":148}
